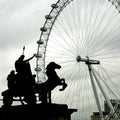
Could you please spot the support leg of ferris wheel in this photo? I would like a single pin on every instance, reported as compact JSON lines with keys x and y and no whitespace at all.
{"x":112,"y":110}
{"x":88,"y":63}
{"x":95,"y":92}
{"x":93,"y":77}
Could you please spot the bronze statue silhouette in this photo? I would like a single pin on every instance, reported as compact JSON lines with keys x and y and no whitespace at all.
{"x":53,"y":81}
{"x":11,"y":80}
{"x":53,"y":78}
{"x":23,"y":85}
{"x":20,"y":84}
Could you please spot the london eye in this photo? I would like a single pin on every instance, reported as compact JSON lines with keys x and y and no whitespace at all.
{"x":84,"y":38}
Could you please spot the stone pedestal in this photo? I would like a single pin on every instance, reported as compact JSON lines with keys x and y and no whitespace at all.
{"x":39,"y":111}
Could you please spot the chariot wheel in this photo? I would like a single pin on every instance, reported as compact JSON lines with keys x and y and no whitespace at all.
{"x":84,"y":38}
{"x":7,"y":100}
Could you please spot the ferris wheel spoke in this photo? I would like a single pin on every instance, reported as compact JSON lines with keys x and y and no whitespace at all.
{"x":63,"y":42}
{"x":106,"y":55}
{"x":103,"y":36}
{"x":103,"y":42}
{"x":98,"y":20}
{"x":69,"y":25}
{"x":105,"y":77}
{"x":108,"y":38}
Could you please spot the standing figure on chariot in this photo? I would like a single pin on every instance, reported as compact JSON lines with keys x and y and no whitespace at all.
{"x":20,"y":84}
{"x":24,"y":77}
{"x":21,"y":65}
{"x":23,"y":69}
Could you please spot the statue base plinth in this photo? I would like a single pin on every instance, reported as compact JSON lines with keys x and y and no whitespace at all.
{"x":39,"y":111}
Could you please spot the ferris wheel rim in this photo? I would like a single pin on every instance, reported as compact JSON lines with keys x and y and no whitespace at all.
{"x":48,"y":27}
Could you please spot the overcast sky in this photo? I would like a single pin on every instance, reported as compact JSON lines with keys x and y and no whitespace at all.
{"x":20,"y":22}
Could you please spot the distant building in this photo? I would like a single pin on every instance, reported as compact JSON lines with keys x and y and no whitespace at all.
{"x":96,"y":116}
{"x":116,"y":105}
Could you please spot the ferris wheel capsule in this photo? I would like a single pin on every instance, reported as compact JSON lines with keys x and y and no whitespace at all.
{"x":38,"y":69}
{"x":40,"y":42}
{"x":43,"y":29}
{"x":48,"y":17}
{"x":38,"y":55}
{"x":54,"y":6}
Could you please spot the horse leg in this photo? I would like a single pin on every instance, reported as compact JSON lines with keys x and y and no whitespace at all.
{"x":21,"y":100}
{"x":44,"y":97}
{"x":49,"y":96}
{"x":64,"y":85}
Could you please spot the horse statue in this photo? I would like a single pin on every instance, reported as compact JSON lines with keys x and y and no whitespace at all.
{"x":53,"y":80}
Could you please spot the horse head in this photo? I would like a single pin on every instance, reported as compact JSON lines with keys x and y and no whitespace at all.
{"x":53,"y":65}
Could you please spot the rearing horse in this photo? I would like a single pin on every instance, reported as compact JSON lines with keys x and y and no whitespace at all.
{"x":53,"y":81}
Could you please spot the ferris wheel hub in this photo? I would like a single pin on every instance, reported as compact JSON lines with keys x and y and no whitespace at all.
{"x":78,"y":58}
{"x":87,"y":60}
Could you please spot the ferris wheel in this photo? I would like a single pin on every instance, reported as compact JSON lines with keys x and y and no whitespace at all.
{"x":83,"y":36}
